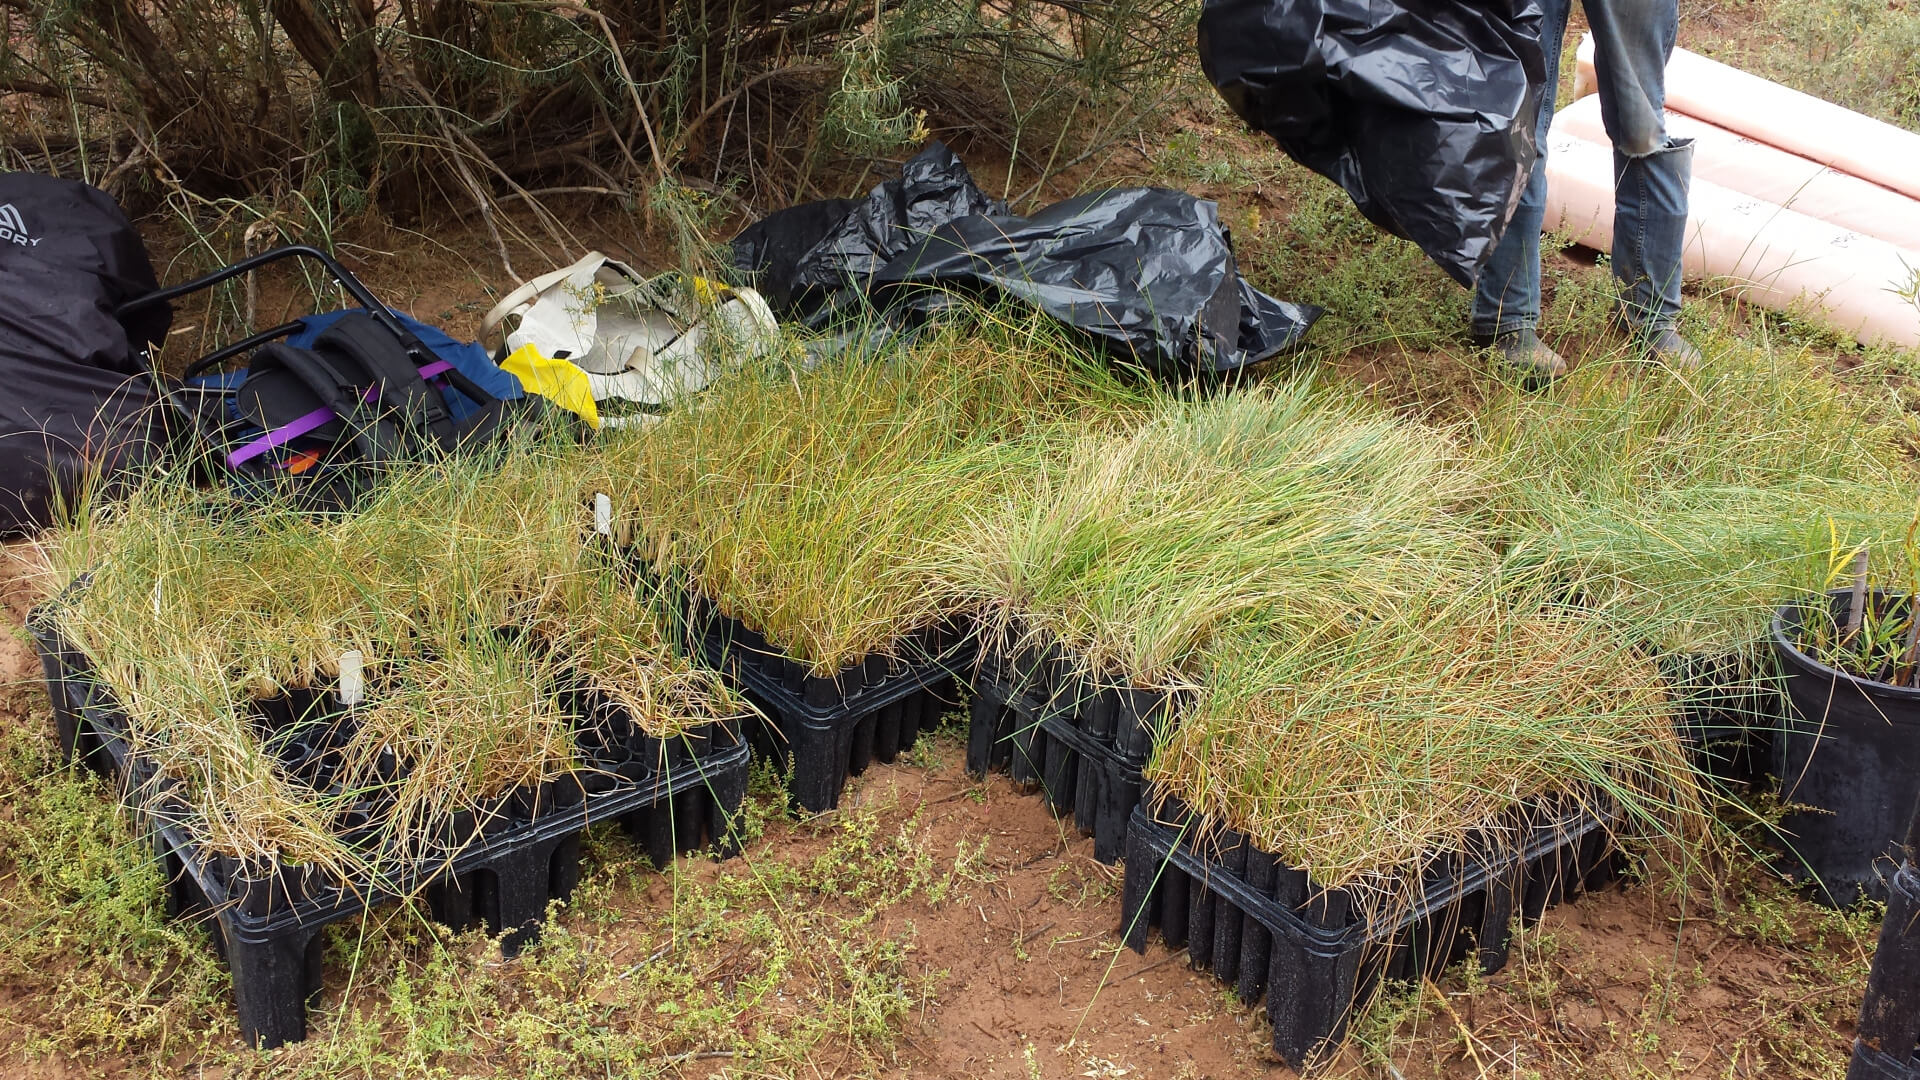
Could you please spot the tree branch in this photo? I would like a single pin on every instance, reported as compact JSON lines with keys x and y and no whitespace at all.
{"x":319,"y":43}
{"x":48,"y":90}
{"x":685,"y":136}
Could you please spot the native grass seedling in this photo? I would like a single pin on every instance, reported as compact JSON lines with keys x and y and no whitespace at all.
{"x":1358,"y":752}
{"x":808,"y":503}
{"x":1282,"y":506}
{"x":1697,"y":504}
{"x":463,"y":596}
{"x":1370,"y":678}
{"x":1865,"y":619}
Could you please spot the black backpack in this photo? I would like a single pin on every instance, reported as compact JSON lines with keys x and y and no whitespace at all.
{"x":361,"y":387}
{"x":325,"y":422}
{"x":80,"y":412}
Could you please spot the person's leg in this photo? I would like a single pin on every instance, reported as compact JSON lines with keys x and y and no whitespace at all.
{"x":1506,"y":299}
{"x":1632,"y":41}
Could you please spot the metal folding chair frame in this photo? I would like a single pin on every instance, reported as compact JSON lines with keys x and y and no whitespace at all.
{"x":417,"y":352}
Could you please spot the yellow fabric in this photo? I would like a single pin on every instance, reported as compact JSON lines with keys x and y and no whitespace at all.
{"x":709,"y":292}
{"x":559,"y":381}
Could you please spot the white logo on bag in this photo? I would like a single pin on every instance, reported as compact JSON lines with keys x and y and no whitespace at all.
{"x":14,"y":227}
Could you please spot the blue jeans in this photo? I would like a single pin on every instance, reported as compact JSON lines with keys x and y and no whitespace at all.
{"x":1632,"y":41}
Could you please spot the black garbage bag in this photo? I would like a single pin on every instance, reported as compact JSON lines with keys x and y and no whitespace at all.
{"x":803,"y":254}
{"x":79,"y":408}
{"x":1148,"y":272}
{"x":1423,"y":111}
{"x":772,"y":248}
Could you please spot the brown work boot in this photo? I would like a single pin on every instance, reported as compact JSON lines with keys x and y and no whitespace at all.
{"x":1524,"y":354}
{"x":1663,"y":346}
{"x":1673,"y":352}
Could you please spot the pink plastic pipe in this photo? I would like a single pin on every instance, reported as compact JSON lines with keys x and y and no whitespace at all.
{"x":1777,"y":258}
{"x":1770,"y":173}
{"x":1770,"y":113}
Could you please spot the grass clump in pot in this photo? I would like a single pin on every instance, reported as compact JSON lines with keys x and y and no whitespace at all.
{"x":464,"y":591}
{"x":806,"y":503}
{"x":1367,"y":682}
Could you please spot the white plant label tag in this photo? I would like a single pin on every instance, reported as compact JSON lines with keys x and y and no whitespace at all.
{"x":353,"y":681}
{"x":602,"y":514}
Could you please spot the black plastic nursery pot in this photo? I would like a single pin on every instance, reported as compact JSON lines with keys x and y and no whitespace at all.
{"x":500,"y":868}
{"x":821,"y":730}
{"x":1889,"y":1032}
{"x":1870,"y":1064}
{"x":1850,"y":753}
{"x":1264,"y":927}
{"x":1080,"y":742}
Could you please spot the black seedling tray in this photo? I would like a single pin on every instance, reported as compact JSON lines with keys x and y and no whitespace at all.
{"x":1051,"y":736}
{"x":1124,"y":720}
{"x":1264,"y":927}
{"x":1081,"y":741}
{"x":673,"y":795}
{"x":1870,"y":1064}
{"x":1728,"y":715}
{"x":821,"y":730}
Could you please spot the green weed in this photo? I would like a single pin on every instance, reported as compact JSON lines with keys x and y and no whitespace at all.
{"x":763,"y":960}
{"x":1378,"y":290}
{"x":86,"y":931}
{"x":1862,"y":54}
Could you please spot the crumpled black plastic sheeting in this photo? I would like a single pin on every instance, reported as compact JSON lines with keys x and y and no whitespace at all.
{"x":1423,"y":111}
{"x":806,"y":253}
{"x":1146,"y":272}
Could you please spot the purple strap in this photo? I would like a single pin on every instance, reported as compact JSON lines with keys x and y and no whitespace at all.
{"x":322,"y":415}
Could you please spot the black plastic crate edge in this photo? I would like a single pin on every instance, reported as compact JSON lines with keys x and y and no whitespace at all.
{"x":998,"y":678}
{"x":869,"y":699}
{"x":1167,"y":847}
{"x":1313,"y":977}
{"x":1061,"y":783}
{"x":611,"y":805}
